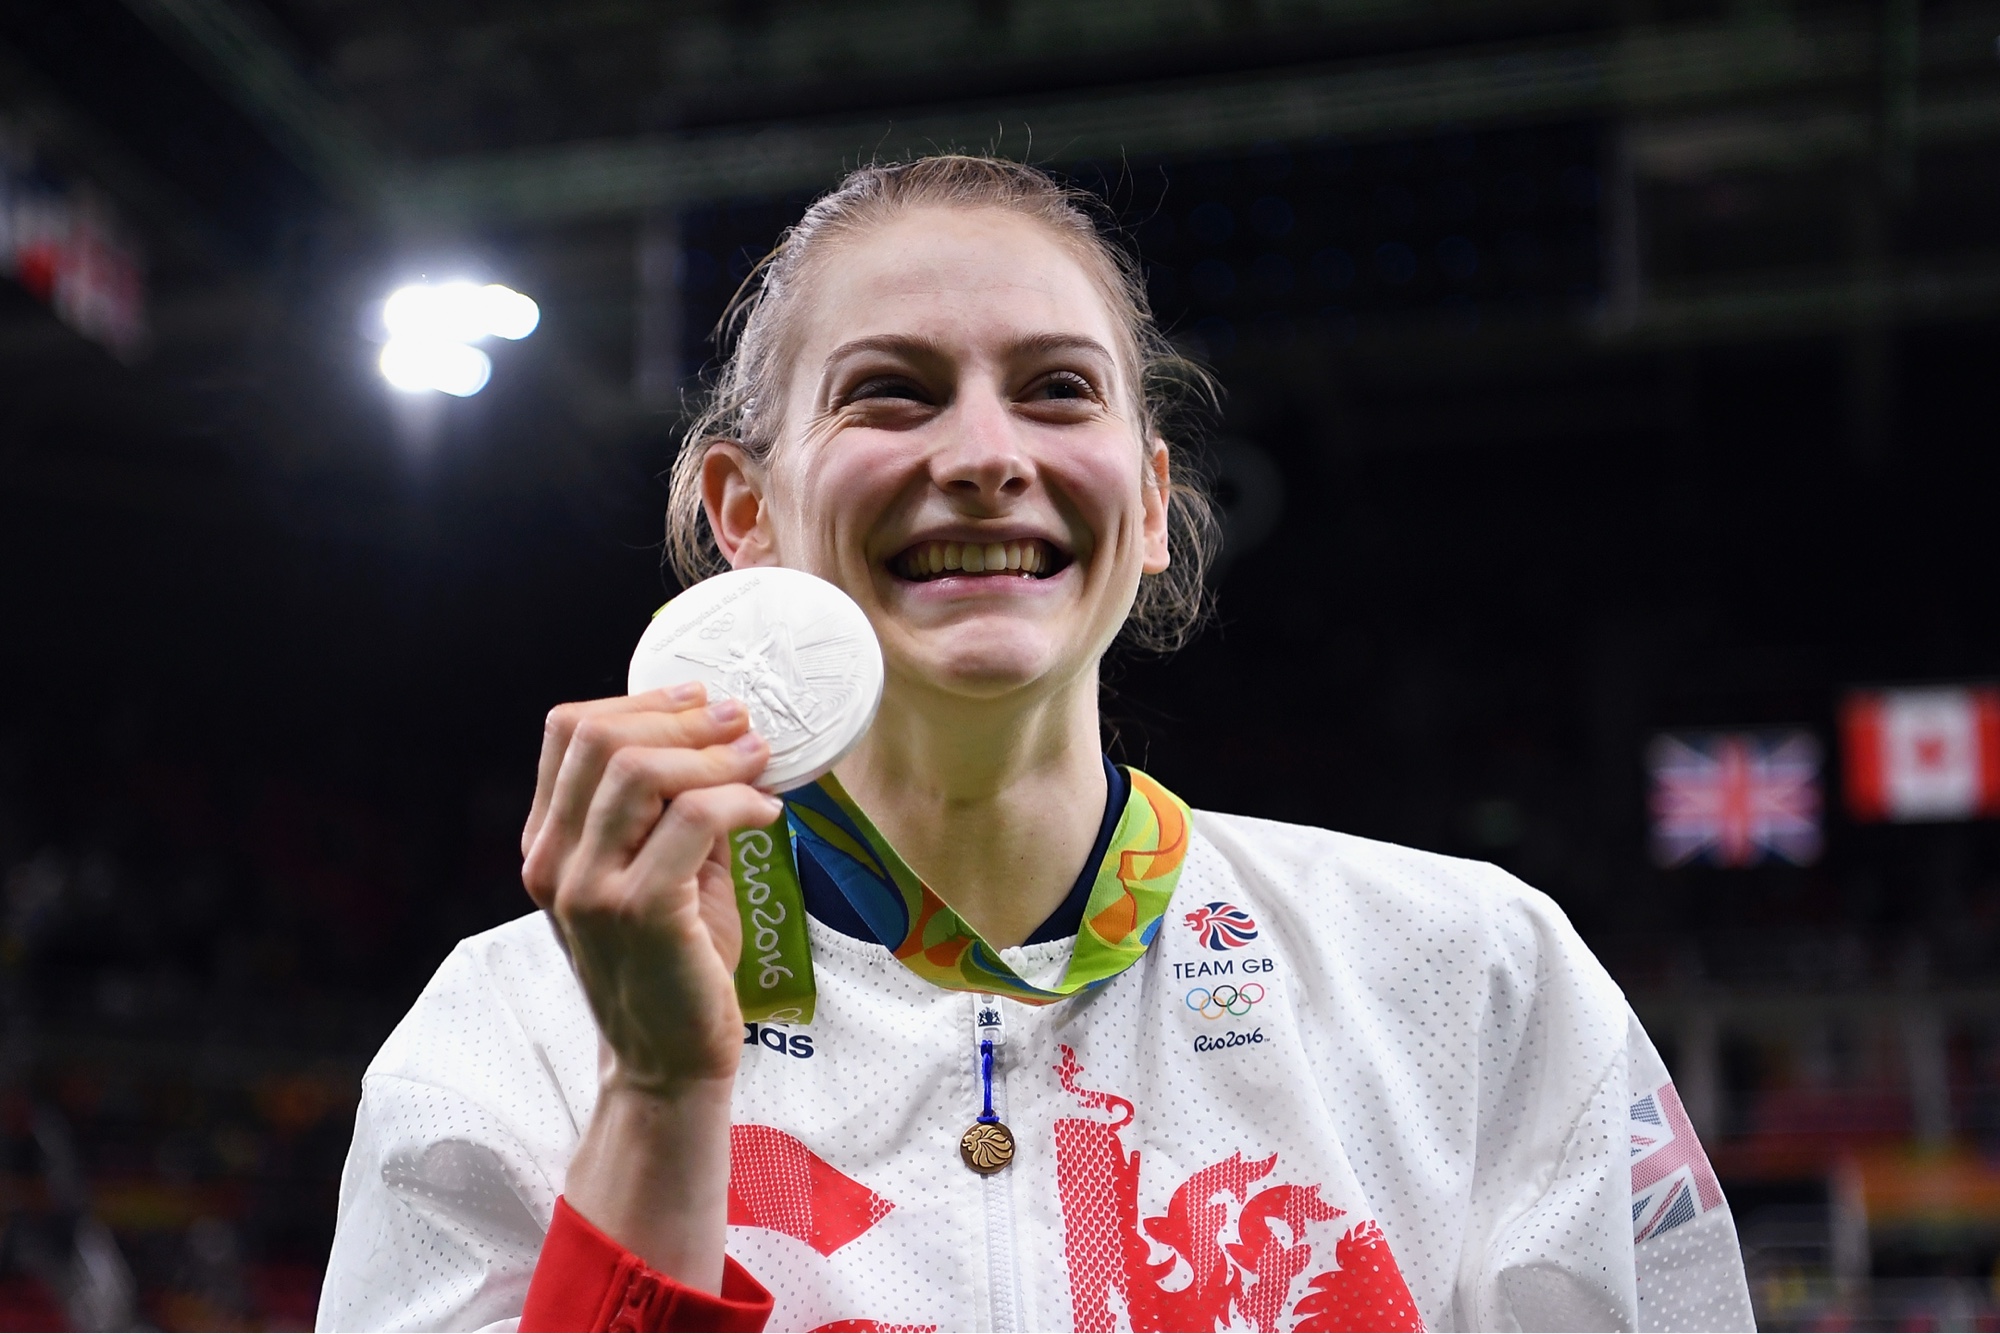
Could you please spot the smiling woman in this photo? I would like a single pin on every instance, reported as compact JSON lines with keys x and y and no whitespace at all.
{"x":751,"y":395}
{"x":946,"y":397}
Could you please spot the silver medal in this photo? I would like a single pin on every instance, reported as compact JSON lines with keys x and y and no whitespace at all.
{"x":796,"y":650}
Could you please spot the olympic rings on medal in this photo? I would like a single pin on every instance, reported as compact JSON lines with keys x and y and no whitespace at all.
{"x":1225,"y":999}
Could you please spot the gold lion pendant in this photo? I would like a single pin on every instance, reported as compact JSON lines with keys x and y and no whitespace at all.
{"x":987,"y":1146}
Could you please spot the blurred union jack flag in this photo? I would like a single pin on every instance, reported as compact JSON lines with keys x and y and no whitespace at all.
{"x":1735,"y":798}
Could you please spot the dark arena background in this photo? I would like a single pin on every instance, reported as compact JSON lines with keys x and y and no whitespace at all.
{"x":1609,"y":457}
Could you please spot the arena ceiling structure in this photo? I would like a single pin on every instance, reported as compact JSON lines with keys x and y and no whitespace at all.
{"x":578,"y":139}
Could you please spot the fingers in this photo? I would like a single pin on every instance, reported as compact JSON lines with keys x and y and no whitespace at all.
{"x":701,"y":789}
{"x":594,"y":741}
{"x":561,"y":726}
{"x":693,"y":836}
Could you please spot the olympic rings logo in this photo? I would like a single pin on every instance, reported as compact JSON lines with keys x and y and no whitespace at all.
{"x":1225,"y":999}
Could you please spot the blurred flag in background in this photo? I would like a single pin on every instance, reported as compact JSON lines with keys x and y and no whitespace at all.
{"x":1922,"y":754}
{"x":64,"y":243}
{"x":1735,"y":798}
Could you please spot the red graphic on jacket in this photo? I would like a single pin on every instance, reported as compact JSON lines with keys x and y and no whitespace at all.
{"x":775,"y":1181}
{"x":1222,"y":926}
{"x":1206,"y":1283}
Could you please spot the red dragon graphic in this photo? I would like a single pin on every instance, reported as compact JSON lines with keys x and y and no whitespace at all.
{"x":1206,"y":1283}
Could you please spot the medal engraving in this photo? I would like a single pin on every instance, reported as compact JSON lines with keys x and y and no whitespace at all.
{"x":778,"y":697}
{"x":794,"y":649}
{"x":986,"y":1147}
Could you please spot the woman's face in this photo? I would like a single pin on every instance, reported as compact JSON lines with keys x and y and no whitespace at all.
{"x":961,"y":453}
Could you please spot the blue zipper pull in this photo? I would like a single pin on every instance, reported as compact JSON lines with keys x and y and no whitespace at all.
{"x":987,"y":1145}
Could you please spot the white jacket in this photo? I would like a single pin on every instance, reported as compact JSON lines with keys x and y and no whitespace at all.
{"x":1435,"y":1086}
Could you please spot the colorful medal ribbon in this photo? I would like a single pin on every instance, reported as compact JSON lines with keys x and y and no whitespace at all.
{"x":1134,"y":881}
{"x":774,"y":977}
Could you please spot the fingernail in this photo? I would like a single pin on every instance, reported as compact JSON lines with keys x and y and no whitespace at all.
{"x":687,"y":692}
{"x":726,"y":710}
{"x":749,"y":743}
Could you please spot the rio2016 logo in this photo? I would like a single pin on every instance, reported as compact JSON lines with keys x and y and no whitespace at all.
{"x":1225,"y":999}
{"x":1222,"y":926}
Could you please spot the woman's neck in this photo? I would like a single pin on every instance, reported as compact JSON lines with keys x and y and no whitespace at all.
{"x":995,"y":805}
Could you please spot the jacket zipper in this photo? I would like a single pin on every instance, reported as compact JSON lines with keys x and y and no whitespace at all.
{"x":1002,"y":1286}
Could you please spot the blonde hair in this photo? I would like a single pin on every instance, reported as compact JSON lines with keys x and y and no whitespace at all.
{"x":742,"y":401}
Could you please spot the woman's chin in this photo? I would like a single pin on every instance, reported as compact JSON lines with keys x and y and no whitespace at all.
{"x":975,"y":665}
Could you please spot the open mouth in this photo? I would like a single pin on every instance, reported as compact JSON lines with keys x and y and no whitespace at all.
{"x":1027,"y":558}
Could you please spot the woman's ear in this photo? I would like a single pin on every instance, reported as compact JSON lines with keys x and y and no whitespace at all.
{"x":732,"y":493}
{"x":1156,"y":485}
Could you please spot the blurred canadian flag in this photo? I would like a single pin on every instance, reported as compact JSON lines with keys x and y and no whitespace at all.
{"x":1922,"y":754}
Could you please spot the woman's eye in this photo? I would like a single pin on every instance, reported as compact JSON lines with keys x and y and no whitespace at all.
{"x":1064,"y":385}
{"x":885,"y":387}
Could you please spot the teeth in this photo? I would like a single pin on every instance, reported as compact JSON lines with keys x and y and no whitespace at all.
{"x":934,"y":558}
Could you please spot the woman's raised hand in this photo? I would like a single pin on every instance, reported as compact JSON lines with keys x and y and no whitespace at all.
{"x":627,"y":847}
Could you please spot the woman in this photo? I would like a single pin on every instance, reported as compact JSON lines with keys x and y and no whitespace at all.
{"x":1253,"y":1075}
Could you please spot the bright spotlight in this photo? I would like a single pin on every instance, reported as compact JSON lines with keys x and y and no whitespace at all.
{"x":432,"y":327}
{"x":416,"y":364}
{"x":507,"y":313}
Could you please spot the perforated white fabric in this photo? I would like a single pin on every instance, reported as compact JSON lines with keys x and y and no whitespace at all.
{"x":1437,"y":1106}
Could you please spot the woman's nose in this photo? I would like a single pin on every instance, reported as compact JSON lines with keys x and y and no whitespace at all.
{"x":982,"y":456}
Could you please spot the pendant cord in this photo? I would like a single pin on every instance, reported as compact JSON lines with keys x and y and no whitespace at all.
{"x":986,"y":1077}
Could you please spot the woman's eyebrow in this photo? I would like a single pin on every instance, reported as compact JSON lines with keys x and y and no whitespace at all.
{"x":1046,"y":343}
{"x":908,"y":346}
{"x":915,"y":348}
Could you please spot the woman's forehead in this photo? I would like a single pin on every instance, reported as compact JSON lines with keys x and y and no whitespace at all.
{"x":959,"y":277}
